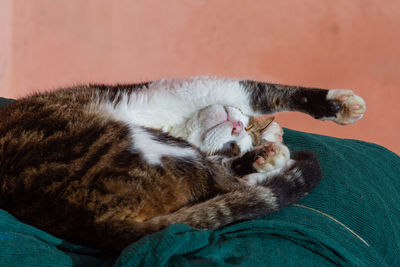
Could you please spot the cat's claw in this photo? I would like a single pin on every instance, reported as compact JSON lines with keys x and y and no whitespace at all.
{"x":273,"y":156}
{"x":352,"y":107}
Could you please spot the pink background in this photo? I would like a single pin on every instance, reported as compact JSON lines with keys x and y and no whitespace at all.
{"x":45,"y":44}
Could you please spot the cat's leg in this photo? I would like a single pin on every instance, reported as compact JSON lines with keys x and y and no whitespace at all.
{"x":248,"y":202}
{"x":340,"y":106}
{"x":302,"y":170}
{"x":169,"y":102}
{"x":243,"y":202}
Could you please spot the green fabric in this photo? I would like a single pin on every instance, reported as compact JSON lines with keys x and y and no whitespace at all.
{"x":352,"y":218}
{"x":5,"y":101}
{"x":24,"y":245}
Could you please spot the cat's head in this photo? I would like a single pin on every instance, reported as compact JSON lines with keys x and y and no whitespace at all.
{"x":224,"y":130}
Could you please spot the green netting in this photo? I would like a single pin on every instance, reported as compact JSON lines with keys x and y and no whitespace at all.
{"x":352,"y":218}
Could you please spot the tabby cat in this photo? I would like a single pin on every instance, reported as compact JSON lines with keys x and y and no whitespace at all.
{"x":104,"y":165}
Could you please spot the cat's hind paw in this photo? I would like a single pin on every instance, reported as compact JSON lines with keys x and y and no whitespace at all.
{"x":271,"y":156}
{"x":268,"y":158}
{"x":352,"y":107}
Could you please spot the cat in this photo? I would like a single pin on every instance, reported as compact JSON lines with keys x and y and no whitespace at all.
{"x":103,"y":166}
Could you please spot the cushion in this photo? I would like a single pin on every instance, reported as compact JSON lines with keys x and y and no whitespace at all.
{"x":351,"y":218}
{"x":5,"y":101}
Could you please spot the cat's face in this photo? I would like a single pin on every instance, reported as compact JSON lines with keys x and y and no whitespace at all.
{"x":219,"y":130}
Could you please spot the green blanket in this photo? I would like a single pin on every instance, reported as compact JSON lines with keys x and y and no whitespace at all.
{"x":351,"y":218}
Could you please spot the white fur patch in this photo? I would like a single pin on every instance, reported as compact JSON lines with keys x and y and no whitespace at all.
{"x":268,"y":196}
{"x":209,"y":129}
{"x":153,"y":150}
{"x":295,"y":174}
{"x":273,"y":133}
{"x":170,"y":102}
{"x":258,"y":177}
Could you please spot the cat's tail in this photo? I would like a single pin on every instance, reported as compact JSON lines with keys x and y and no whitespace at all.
{"x":246,"y":202}
{"x":249,"y":202}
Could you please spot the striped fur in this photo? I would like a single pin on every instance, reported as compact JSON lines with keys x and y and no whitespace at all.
{"x":105,"y":165}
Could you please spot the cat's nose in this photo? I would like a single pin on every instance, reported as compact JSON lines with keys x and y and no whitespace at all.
{"x":237,"y":127}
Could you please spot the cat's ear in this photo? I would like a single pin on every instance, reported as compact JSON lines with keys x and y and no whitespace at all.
{"x":264,"y":122}
{"x":259,"y":124}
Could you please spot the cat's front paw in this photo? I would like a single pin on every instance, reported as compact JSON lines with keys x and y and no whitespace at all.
{"x":273,"y":133}
{"x":352,"y":107}
{"x":271,"y":156}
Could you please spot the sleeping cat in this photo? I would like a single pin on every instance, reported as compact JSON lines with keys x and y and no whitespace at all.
{"x":105,"y":165}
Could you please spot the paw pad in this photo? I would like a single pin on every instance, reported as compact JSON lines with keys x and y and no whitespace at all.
{"x":352,"y":106}
{"x":272,"y":156}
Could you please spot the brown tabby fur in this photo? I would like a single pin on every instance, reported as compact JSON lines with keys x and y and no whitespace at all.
{"x":46,"y":141}
{"x":256,"y":127}
{"x":69,"y":169}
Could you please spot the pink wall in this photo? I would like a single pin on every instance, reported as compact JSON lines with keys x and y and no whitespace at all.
{"x":323,"y":43}
{"x":5,"y":44}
